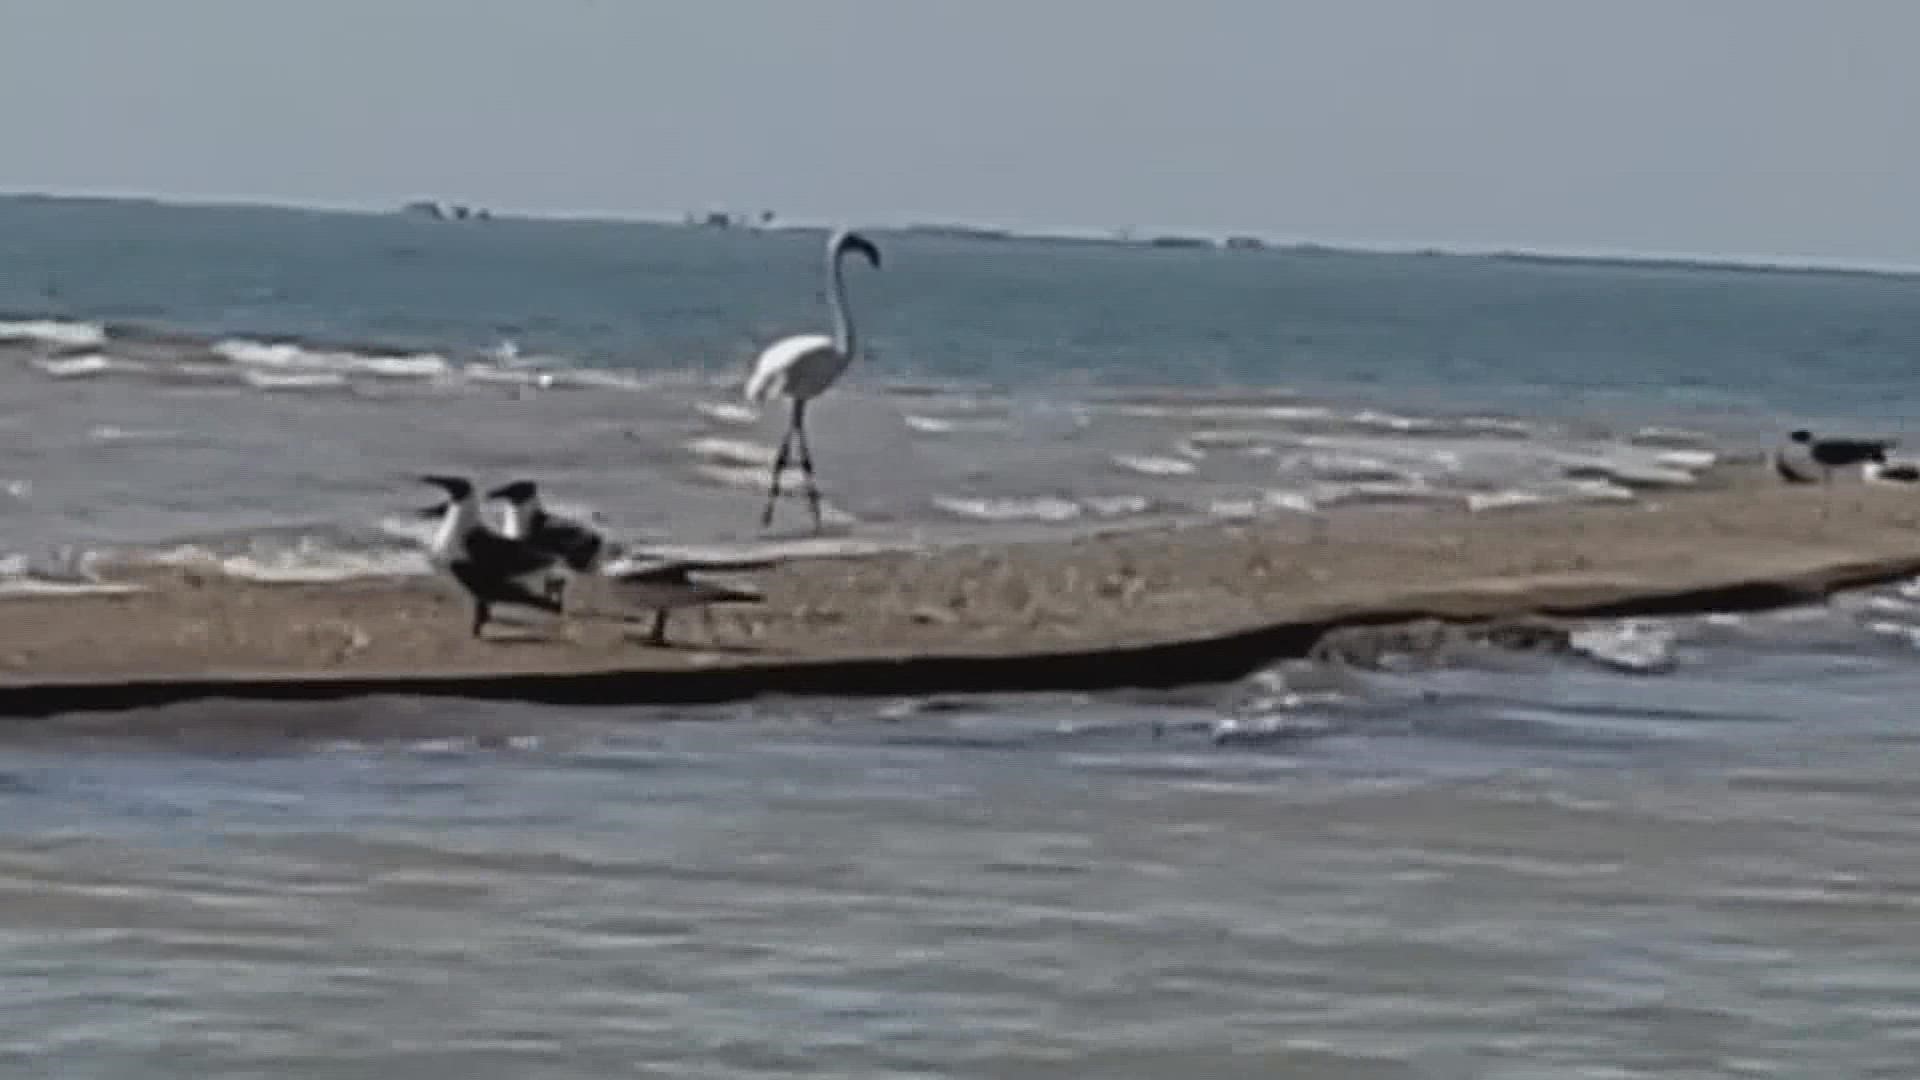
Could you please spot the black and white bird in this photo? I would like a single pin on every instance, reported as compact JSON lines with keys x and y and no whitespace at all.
{"x":1894,"y":472}
{"x":575,"y":546}
{"x":650,"y":581}
{"x":1806,"y":460}
{"x":489,"y":566}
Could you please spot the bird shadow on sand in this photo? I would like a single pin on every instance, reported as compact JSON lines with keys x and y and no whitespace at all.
{"x":645,"y":642}
{"x":521,"y":640}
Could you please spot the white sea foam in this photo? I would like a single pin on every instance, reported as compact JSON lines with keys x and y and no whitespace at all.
{"x":33,"y":586}
{"x":1282,"y":413}
{"x":308,"y":559}
{"x":732,"y":452}
{"x":286,"y":356}
{"x":109,"y":433}
{"x":1010,"y":508}
{"x":1691,"y":460}
{"x":1634,"y":645}
{"x":727,"y":412}
{"x":70,"y":367}
{"x":1111,"y":506}
{"x":1149,"y":465}
{"x":742,"y":477}
{"x":946,"y":425}
{"x":59,"y":333}
{"x":311,"y":380}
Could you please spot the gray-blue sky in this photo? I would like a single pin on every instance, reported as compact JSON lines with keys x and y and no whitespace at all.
{"x":1756,"y":127}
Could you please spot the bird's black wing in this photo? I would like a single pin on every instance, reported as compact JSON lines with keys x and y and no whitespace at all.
{"x":576,"y":544}
{"x":662,"y":573}
{"x":504,"y":556}
{"x":1850,"y":451}
{"x":488,"y":586}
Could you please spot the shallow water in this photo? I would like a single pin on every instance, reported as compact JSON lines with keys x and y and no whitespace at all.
{"x":1682,"y":851}
{"x":262,"y":386}
{"x":1513,"y":866}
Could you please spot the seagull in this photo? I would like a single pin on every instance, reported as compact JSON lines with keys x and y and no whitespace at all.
{"x":1806,"y":460}
{"x":802,"y":367}
{"x":486,"y":564}
{"x":577,"y":547}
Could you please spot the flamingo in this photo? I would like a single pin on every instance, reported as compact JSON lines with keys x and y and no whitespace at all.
{"x":802,"y":367}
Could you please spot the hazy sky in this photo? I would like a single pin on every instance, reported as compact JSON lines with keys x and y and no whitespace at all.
{"x":1751,"y":127}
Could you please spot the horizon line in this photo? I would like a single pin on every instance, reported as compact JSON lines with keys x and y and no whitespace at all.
{"x":1119,"y":235}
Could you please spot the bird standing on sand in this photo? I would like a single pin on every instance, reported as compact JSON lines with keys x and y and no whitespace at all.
{"x":573,"y":545}
{"x":668,"y":583}
{"x":802,"y":367}
{"x":487,"y":565}
{"x":660,"y":584}
{"x":1805,"y":459}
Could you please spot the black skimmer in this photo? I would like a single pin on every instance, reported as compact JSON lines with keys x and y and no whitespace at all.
{"x":487,"y":565}
{"x":1804,"y":456}
{"x":1806,"y":460}
{"x":573,"y":545}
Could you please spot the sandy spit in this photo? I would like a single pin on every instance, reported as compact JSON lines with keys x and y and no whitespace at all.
{"x":1163,"y":607}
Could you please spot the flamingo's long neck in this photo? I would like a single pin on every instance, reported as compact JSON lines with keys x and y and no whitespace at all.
{"x":843,"y":335}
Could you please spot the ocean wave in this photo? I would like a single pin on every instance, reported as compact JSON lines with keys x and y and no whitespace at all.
{"x":1282,"y":413}
{"x":1545,"y":493}
{"x":307,"y":559}
{"x":1637,"y":645}
{"x":109,"y":433}
{"x":293,"y":380}
{"x":84,"y":364}
{"x":1354,"y":467}
{"x":727,"y":412}
{"x":1150,"y":465}
{"x":1048,"y":508}
{"x":737,"y":452}
{"x":287,"y":355}
{"x":59,"y":333}
{"x":946,"y":425}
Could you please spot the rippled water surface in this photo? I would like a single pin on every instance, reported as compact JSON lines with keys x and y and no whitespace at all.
{"x":1508,"y":867}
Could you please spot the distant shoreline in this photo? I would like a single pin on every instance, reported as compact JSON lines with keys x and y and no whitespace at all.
{"x":1238,"y":243}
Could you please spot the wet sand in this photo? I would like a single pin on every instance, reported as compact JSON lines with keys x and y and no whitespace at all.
{"x":1161,"y":607}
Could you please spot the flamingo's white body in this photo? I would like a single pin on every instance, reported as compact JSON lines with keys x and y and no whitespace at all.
{"x":802,"y":367}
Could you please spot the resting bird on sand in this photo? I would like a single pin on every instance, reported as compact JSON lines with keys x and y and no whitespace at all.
{"x":1805,"y":460}
{"x":666,"y":584}
{"x":1804,"y":456}
{"x":487,"y":565}
{"x":652,"y":582}
{"x":802,"y":367}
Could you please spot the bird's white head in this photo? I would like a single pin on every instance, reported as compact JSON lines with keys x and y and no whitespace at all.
{"x":462,"y":511}
{"x":523,"y":503}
